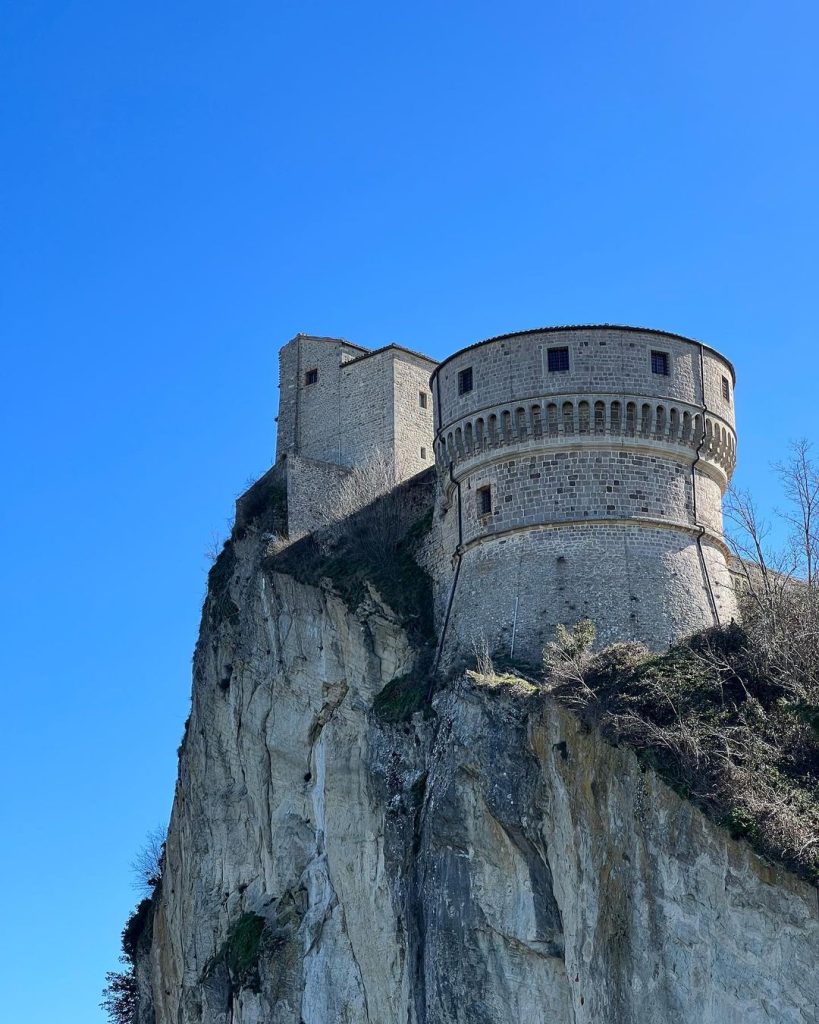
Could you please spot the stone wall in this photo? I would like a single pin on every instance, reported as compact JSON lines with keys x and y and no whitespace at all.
{"x":413,"y":423}
{"x":635,"y":582}
{"x":311,"y":486}
{"x":599,"y":450}
{"x":361,"y":405}
{"x":605,"y":360}
{"x":556,"y":486}
{"x":593,"y":491}
{"x":312,"y":419}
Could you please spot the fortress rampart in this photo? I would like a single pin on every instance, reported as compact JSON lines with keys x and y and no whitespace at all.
{"x":582,"y":472}
{"x":342,"y":406}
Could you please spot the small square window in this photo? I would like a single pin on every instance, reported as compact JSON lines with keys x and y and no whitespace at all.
{"x":484,"y":501}
{"x":659,"y":363}
{"x":558,"y":360}
{"x":423,"y":399}
{"x":423,"y":453}
{"x":311,"y":377}
{"x":726,"y":389}
{"x":464,"y":380}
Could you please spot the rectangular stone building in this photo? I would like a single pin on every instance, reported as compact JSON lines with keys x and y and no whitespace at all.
{"x":340,"y":407}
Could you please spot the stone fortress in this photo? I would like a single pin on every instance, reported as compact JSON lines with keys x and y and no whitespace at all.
{"x":580,"y":473}
{"x":340,"y":406}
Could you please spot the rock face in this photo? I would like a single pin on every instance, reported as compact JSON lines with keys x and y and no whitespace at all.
{"x":488,"y":862}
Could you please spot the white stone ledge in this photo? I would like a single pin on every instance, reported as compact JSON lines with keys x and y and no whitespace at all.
{"x":673,"y":451}
{"x":693,"y":530}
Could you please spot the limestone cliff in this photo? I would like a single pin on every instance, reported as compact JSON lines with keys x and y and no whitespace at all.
{"x":485,"y":861}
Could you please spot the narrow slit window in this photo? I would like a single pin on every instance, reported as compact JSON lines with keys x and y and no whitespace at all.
{"x":464,"y":380}
{"x":726,"y":389}
{"x":311,"y":377}
{"x":558,"y":360}
{"x":423,"y":453}
{"x":484,"y":501}
{"x":422,"y":399}
{"x":659,"y":363}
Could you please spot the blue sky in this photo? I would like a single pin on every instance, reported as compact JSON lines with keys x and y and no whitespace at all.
{"x":184,"y":186}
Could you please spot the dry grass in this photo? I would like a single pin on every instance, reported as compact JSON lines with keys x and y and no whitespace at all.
{"x":720,"y":721}
{"x":506,"y":682}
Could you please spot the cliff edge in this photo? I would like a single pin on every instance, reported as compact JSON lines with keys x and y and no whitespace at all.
{"x":344,"y":851}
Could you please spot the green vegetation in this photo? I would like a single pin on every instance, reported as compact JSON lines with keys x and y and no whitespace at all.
{"x":219,"y":605}
{"x":402,"y":697}
{"x":508,"y":682}
{"x":374,"y":546}
{"x":262,"y":507}
{"x":243,"y":944}
{"x":241,"y":951}
{"x":725,"y":720}
{"x":120,"y":996}
{"x":136,"y":926}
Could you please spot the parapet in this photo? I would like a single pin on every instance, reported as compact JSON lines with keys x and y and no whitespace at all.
{"x":584,"y":468}
{"x":576,"y":385}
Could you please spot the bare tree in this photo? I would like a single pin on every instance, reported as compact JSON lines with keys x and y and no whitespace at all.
{"x":780,"y":599}
{"x":568,"y":656}
{"x":363,"y":484}
{"x":367,"y":503}
{"x":484,"y":666}
{"x":766,"y":571}
{"x":148,"y":863}
{"x":214,"y":546}
{"x":800,"y":480}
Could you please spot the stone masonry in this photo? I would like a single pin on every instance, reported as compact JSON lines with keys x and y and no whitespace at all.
{"x":581,"y":473}
{"x":342,"y":406}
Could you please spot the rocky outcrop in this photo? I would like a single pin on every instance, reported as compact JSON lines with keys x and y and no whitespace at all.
{"x":488,"y":861}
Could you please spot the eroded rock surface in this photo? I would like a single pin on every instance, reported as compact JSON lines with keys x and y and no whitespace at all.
{"x":488,"y":862}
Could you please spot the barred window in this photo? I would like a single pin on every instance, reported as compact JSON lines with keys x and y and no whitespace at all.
{"x":464,"y":380}
{"x":726,"y":389}
{"x":484,"y":500}
{"x":311,"y":377}
{"x":659,"y":363}
{"x":558,"y":360}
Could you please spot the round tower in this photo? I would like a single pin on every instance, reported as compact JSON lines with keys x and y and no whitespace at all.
{"x":582,"y":474}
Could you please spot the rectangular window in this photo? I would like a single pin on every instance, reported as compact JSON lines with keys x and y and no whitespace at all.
{"x":558,"y":360}
{"x":659,"y":363}
{"x":726,"y":389}
{"x":423,"y":453}
{"x":422,"y":399}
{"x":464,"y":380}
{"x":311,"y":377}
{"x":484,"y":501}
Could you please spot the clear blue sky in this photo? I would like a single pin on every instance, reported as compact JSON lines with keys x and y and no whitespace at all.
{"x":187,"y":185}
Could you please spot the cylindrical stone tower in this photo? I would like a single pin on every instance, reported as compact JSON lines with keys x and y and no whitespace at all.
{"x":582,"y":473}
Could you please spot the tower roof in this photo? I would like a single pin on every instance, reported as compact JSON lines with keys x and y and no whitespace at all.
{"x":588,"y":327}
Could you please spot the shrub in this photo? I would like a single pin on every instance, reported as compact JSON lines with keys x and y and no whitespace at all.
{"x":721,"y":722}
{"x":568,"y":655}
{"x":241,"y":951}
{"x":119,"y":997}
{"x":135,"y":927}
{"x":402,"y":697}
{"x":357,"y":552}
{"x":243,"y":943}
{"x":147,"y":865}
